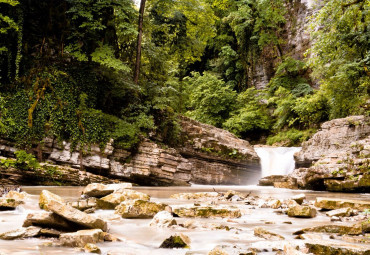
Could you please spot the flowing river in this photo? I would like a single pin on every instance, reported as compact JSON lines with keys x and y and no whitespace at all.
{"x":139,"y":238}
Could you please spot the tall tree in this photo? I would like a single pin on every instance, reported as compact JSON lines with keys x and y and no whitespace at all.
{"x":139,"y":40}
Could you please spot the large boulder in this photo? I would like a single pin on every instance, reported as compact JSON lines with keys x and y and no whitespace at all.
{"x":112,"y":200}
{"x":139,"y":209}
{"x":48,"y":220}
{"x":76,"y":216}
{"x":100,"y":190}
{"x":300,"y":211}
{"x":21,"y":233}
{"x":46,"y":197}
{"x":82,"y":237}
{"x":9,"y":204}
{"x":163,"y":219}
{"x":207,"y":212}
{"x":335,"y":203}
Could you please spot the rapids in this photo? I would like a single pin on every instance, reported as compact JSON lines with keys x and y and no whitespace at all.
{"x":139,"y":238}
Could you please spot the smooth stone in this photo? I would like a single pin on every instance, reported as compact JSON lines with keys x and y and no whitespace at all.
{"x":163,"y":219}
{"x":92,"y":248}
{"x":355,"y":229}
{"x":300,"y":211}
{"x":48,"y":220}
{"x":263,"y":233}
{"x":333,"y":203}
{"x":176,"y":241}
{"x":84,"y":204}
{"x":77,"y":216}
{"x":207,"y":212}
{"x":331,"y":248}
{"x":112,"y":200}
{"x":9,"y":204}
{"x":139,"y":209}
{"x":299,"y":198}
{"x":21,"y":233}
{"x":81,"y":238}
{"x":100,"y":190}
{"x":46,"y":197}
{"x":343,"y":212}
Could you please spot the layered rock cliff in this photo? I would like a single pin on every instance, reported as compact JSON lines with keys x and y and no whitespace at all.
{"x":208,"y":155}
{"x":337,"y":158}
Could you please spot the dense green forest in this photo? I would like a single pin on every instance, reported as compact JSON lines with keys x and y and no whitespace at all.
{"x":67,"y":69}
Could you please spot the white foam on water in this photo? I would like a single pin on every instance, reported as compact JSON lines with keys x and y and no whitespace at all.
{"x":276,"y":160}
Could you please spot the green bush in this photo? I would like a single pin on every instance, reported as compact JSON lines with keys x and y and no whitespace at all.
{"x":26,"y":161}
{"x":292,"y":137}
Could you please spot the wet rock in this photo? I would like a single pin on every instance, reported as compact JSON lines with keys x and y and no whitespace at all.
{"x":112,"y":200}
{"x":163,"y":219}
{"x":100,"y":190}
{"x":229,"y":250}
{"x":48,"y":232}
{"x":17,"y":195}
{"x":81,"y":238}
{"x":290,"y":250}
{"x":21,"y":233}
{"x":335,"y":218}
{"x":110,"y":238}
{"x":299,"y":198}
{"x":9,"y":204}
{"x":76,"y":216}
{"x":84,"y":204}
{"x":343,"y":212}
{"x":198,"y":195}
{"x":176,"y":241}
{"x":263,"y":233}
{"x":92,"y":248}
{"x":139,"y":209}
{"x":331,"y":248}
{"x":48,"y":220}
{"x":274,"y":203}
{"x":46,"y":197}
{"x":335,"y":203}
{"x":300,"y":211}
{"x":355,"y":229}
{"x":207,"y":212}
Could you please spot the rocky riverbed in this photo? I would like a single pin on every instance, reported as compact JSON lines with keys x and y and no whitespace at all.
{"x":121,"y":219}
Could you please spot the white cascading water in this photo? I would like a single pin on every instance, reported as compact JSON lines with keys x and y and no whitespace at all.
{"x":276,"y":160}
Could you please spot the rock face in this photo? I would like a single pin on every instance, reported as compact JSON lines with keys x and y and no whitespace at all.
{"x":337,"y":158}
{"x":206,"y":155}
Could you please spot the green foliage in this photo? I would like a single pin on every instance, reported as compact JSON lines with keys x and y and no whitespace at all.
{"x":292,"y":137}
{"x":339,"y":56}
{"x":251,"y":115}
{"x":211,"y":100}
{"x":26,"y":161}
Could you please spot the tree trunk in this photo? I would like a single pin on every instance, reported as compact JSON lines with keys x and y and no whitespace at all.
{"x":139,"y":39}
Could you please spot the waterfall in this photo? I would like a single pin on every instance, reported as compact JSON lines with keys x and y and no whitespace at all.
{"x":276,"y":160}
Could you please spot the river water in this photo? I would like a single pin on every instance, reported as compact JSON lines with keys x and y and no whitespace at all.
{"x":139,"y":238}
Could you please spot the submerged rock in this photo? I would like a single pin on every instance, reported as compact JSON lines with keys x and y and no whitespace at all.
{"x":176,"y":241}
{"x":198,"y":195}
{"x":331,"y":248}
{"x":112,"y":200}
{"x":81,"y":238}
{"x":335,"y":203}
{"x":261,"y":232}
{"x":163,"y":219}
{"x":300,"y":211}
{"x":76,"y":216}
{"x":207,"y":212}
{"x":100,"y":190}
{"x":229,"y":250}
{"x":21,"y":233}
{"x":139,"y":209}
{"x":46,"y":197}
{"x":9,"y":204}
